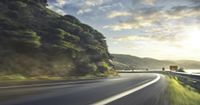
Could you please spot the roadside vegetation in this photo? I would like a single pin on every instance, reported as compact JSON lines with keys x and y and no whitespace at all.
{"x":36,"y":42}
{"x":21,"y":78}
{"x":180,"y":94}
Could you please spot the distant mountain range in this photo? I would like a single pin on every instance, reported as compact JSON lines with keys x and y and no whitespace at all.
{"x":122,"y":61}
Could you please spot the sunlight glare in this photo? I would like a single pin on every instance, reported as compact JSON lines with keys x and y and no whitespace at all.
{"x":192,"y":39}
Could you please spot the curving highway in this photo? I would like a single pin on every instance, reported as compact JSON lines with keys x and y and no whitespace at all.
{"x":128,"y":89}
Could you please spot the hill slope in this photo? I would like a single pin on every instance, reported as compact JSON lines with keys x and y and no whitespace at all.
{"x":37,"y":41}
{"x":143,"y":63}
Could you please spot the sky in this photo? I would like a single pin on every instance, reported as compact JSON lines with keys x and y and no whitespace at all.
{"x":161,"y":29}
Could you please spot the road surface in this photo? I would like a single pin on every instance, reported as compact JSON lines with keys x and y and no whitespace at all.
{"x":129,"y":89}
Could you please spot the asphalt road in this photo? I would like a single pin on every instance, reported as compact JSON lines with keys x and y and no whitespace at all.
{"x":129,"y":89}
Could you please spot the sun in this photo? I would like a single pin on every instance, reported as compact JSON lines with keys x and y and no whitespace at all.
{"x":192,"y":38}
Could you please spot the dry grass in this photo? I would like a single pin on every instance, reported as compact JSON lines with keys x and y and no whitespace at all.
{"x":182,"y":95}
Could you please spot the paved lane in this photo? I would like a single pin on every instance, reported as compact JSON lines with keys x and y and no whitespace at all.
{"x":91,"y":92}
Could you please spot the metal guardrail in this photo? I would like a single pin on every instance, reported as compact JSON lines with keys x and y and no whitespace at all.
{"x":189,"y":79}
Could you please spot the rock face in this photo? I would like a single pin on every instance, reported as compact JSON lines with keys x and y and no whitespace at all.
{"x":35,"y":40}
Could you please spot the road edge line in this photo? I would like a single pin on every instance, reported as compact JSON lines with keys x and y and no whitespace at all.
{"x":123,"y":94}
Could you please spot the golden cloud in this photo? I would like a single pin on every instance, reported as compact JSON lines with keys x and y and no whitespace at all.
{"x":115,"y":14}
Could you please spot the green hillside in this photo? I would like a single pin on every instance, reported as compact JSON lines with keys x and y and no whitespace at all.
{"x":37,"y":41}
{"x":121,"y":66}
{"x":143,"y":63}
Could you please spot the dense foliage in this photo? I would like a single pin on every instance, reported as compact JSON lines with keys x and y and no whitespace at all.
{"x":35,"y":40}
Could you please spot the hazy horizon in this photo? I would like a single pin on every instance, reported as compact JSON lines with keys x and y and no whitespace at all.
{"x":158,"y":58}
{"x":161,"y":29}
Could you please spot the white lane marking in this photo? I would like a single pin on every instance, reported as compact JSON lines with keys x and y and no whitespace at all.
{"x":120,"y":95}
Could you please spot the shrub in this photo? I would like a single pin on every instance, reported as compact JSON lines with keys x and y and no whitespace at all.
{"x":92,"y":67}
{"x":71,"y":38}
{"x":103,"y":66}
{"x":21,"y":41}
{"x":59,"y":33}
{"x":63,"y":40}
{"x":12,"y":14}
{"x":16,"y":5}
{"x":86,"y":67}
{"x":70,"y":18}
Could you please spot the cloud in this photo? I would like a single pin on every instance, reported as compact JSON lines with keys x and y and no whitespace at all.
{"x":130,"y":25}
{"x":145,"y":2}
{"x":179,"y":12}
{"x":82,"y":11}
{"x":137,"y":21}
{"x":115,"y":14}
{"x":58,"y":10}
{"x":179,"y":37}
{"x":92,"y":3}
{"x":121,"y":26}
{"x":58,"y":5}
{"x":132,"y":38}
{"x":149,"y":2}
{"x":62,"y":2}
{"x":89,"y":5}
{"x":144,"y":17}
{"x":147,"y":37}
{"x":155,"y":16}
{"x":82,"y":6}
{"x":195,"y":2}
